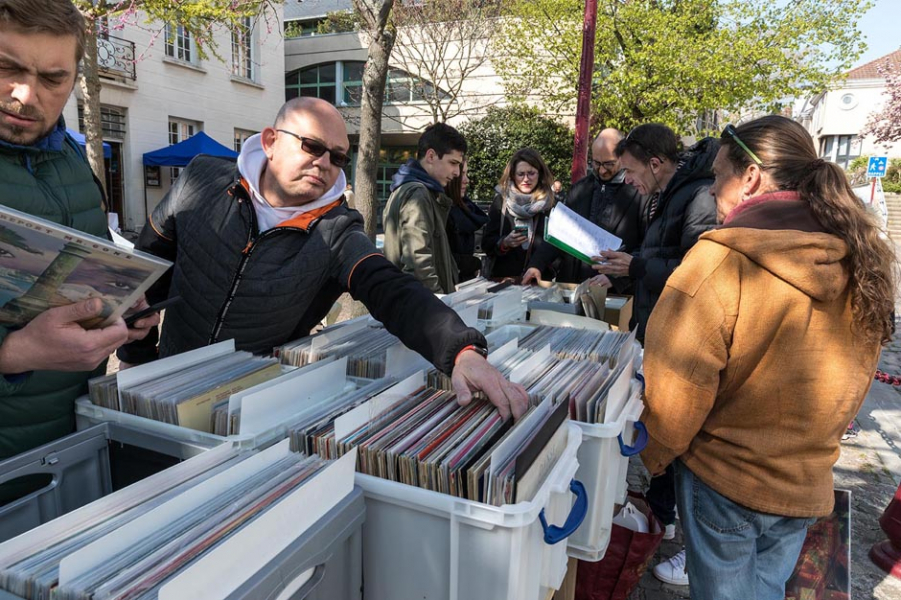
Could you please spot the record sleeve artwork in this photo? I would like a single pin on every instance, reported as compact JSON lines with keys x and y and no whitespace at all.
{"x":44,"y":265}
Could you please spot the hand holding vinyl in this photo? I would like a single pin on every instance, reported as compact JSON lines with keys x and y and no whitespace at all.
{"x":55,"y":341}
{"x":473,"y":373}
{"x":531,"y":274}
{"x":612,"y":263}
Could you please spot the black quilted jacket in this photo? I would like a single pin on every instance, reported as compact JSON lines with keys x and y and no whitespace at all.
{"x":267,"y":289}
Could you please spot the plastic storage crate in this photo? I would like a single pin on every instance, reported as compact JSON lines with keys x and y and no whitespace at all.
{"x":421,"y":544}
{"x":325,"y":563}
{"x":191,"y":441}
{"x":603,"y":465}
{"x":322,"y":564}
{"x":320,"y":379}
{"x":78,"y":466}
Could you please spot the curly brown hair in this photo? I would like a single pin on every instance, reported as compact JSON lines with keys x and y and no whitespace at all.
{"x":786,"y":152}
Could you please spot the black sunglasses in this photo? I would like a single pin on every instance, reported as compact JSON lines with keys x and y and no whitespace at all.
{"x":607,"y":164}
{"x":317,"y":149}
{"x":730,"y":133}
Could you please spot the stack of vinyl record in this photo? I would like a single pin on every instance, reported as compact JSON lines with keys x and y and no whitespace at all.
{"x":185,"y":397}
{"x":578,"y":344}
{"x":33,"y":571}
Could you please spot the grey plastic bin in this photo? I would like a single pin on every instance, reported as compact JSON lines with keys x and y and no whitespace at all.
{"x":80,"y":469}
{"x":332,"y":547}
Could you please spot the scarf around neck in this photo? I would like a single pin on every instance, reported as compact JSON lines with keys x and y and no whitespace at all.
{"x":523,"y":209}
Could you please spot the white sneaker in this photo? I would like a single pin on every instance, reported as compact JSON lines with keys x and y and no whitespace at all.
{"x":672,"y":571}
{"x":669,"y":531}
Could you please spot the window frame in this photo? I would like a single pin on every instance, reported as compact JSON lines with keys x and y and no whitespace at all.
{"x":243,"y":49}
{"x":179,"y":44}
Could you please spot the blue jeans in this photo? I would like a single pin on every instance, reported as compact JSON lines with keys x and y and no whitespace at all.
{"x":733,"y":552}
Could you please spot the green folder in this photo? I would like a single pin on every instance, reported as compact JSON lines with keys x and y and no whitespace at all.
{"x":560,"y":244}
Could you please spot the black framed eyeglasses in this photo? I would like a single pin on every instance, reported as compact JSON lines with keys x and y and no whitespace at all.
{"x":608,"y":165}
{"x":730,"y":133}
{"x":317,"y":149}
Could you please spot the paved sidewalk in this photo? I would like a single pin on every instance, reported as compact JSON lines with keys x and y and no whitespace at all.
{"x":869,"y":466}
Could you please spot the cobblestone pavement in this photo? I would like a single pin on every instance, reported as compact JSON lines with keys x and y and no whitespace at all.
{"x":869,"y":466}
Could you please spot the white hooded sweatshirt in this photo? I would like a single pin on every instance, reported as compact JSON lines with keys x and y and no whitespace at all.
{"x":251,"y":163}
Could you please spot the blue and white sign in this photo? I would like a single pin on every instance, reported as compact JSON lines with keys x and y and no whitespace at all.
{"x":877,"y":166}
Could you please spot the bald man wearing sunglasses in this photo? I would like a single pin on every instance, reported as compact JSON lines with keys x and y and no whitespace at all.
{"x":263,"y":248}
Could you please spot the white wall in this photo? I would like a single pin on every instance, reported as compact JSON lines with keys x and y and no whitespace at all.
{"x":834,"y":116}
{"x":207,"y":93}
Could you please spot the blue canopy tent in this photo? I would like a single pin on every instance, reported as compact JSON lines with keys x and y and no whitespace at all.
{"x":79,"y":137}
{"x":180,"y":154}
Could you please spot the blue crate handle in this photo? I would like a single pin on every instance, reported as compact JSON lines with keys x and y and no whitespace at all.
{"x":640,"y":443}
{"x":554,"y":534}
{"x":640,"y":378}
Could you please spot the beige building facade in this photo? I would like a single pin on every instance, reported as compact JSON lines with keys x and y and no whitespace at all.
{"x":836,"y":118}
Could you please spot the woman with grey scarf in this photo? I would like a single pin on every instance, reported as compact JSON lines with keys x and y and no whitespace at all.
{"x":516,"y":218}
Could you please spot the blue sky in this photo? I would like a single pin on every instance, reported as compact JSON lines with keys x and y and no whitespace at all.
{"x":880,"y":27}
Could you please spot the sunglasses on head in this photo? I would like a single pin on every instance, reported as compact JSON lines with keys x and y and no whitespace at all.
{"x":317,"y":149}
{"x":730,"y":133}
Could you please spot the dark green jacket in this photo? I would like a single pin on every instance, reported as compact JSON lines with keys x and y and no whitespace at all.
{"x":50,"y":180}
{"x":416,"y":236}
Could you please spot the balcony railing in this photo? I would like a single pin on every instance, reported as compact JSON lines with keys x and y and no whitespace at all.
{"x":116,"y":56}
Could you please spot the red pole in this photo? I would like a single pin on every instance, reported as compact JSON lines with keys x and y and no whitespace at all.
{"x":583,"y":108}
{"x":873,"y":191}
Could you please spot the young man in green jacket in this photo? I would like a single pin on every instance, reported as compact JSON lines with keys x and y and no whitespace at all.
{"x":45,"y":365}
{"x":416,"y":214}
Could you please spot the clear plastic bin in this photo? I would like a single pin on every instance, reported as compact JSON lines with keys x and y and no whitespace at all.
{"x":191,"y":441}
{"x":421,"y":544}
{"x":603,"y":465}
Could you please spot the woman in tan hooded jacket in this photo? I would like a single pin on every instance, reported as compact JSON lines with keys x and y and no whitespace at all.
{"x":758,"y":354}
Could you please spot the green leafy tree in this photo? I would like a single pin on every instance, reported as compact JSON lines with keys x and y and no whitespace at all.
{"x":679,"y":61}
{"x":200,"y":17}
{"x":494,"y":138}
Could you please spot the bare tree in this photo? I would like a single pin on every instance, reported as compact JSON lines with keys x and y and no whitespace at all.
{"x":443,"y":45}
{"x":381,"y":35}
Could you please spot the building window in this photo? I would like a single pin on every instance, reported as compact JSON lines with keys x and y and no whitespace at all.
{"x":848,"y":102}
{"x":241,"y":136}
{"x":344,"y":80}
{"x":353,"y":82}
{"x":179,"y":131}
{"x":390,"y":161}
{"x":316,"y":82}
{"x":840,"y":149}
{"x":179,"y":43}
{"x":112,"y":119}
{"x":243,"y":50}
